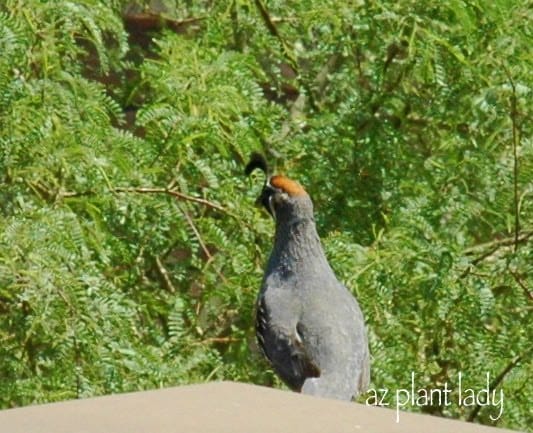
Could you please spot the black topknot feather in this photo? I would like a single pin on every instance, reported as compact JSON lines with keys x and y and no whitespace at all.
{"x":257,"y":160}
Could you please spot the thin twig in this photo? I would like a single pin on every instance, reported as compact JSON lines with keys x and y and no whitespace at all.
{"x":492,"y":247}
{"x":269,"y":23}
{"x":196,"y":232}
{"x":529,"y":294}
{"x":164,"y":275}
{"x":515,"y":141}
{"x":289,"y":56}
{"x":172,"y":192}
{"x":207,"y":253}
{"x":513,"y":114}
{"x":154,"y":190}
{"x":277,"y":20}
{"x":148,"y":190}
{"x":224,"y":340}
{"x":321,"y":79}
{"x":496,"y":381}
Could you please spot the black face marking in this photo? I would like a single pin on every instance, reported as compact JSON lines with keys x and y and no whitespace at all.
{"x":265,"y":199}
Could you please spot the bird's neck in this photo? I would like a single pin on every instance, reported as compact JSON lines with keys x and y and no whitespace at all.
{"x":297,"y":243}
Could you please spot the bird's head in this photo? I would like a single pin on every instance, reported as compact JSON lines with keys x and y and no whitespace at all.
{"x":283,"y":198}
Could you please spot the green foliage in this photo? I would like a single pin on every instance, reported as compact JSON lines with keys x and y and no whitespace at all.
{"x":130,"y":248}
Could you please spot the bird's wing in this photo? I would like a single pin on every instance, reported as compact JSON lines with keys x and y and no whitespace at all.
{"x":285,"y":350}
{"x":307,"y":365}
{"x":261,"y":325}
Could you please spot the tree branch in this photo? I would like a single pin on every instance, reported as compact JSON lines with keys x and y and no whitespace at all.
{"x":218,"y":340}
{"x":172,"y":192}
{"x":163,"y":273}
{"x":203,"y":245}
{"x":289,"y":57}
{"x":496,"y":381}
{"x":515,"y":134}
{"x":189,"y":220}
{"x":492,"y":247}
{"x":273,"y":30}
{"x":151,"y":190}
{"x":518,"y":280}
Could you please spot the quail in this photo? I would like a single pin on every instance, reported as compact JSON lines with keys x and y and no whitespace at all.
{"x":308,"y":325}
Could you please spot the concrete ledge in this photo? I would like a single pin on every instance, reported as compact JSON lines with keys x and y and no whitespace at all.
{"x":221,"y":407}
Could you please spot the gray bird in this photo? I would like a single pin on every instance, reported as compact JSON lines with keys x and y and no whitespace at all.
{"x":308,"y":324}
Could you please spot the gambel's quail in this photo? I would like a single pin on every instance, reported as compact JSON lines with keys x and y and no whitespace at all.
{"x":308,"y":324}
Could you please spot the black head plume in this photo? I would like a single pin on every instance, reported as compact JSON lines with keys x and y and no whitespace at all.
{"x":257,"y":160}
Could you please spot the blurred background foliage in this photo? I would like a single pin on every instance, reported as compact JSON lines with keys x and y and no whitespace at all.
{"x":131,"y":251}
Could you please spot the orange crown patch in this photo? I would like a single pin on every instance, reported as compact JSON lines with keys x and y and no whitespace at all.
{"x":287,"y":185}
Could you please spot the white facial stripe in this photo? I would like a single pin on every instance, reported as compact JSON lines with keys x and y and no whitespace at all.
{"x":271,"y":206}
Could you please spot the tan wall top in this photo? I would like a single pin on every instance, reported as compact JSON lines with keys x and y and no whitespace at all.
{"x":221,"y":407}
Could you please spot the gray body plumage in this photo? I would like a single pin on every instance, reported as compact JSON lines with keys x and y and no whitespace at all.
{"x":308,"y":324}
